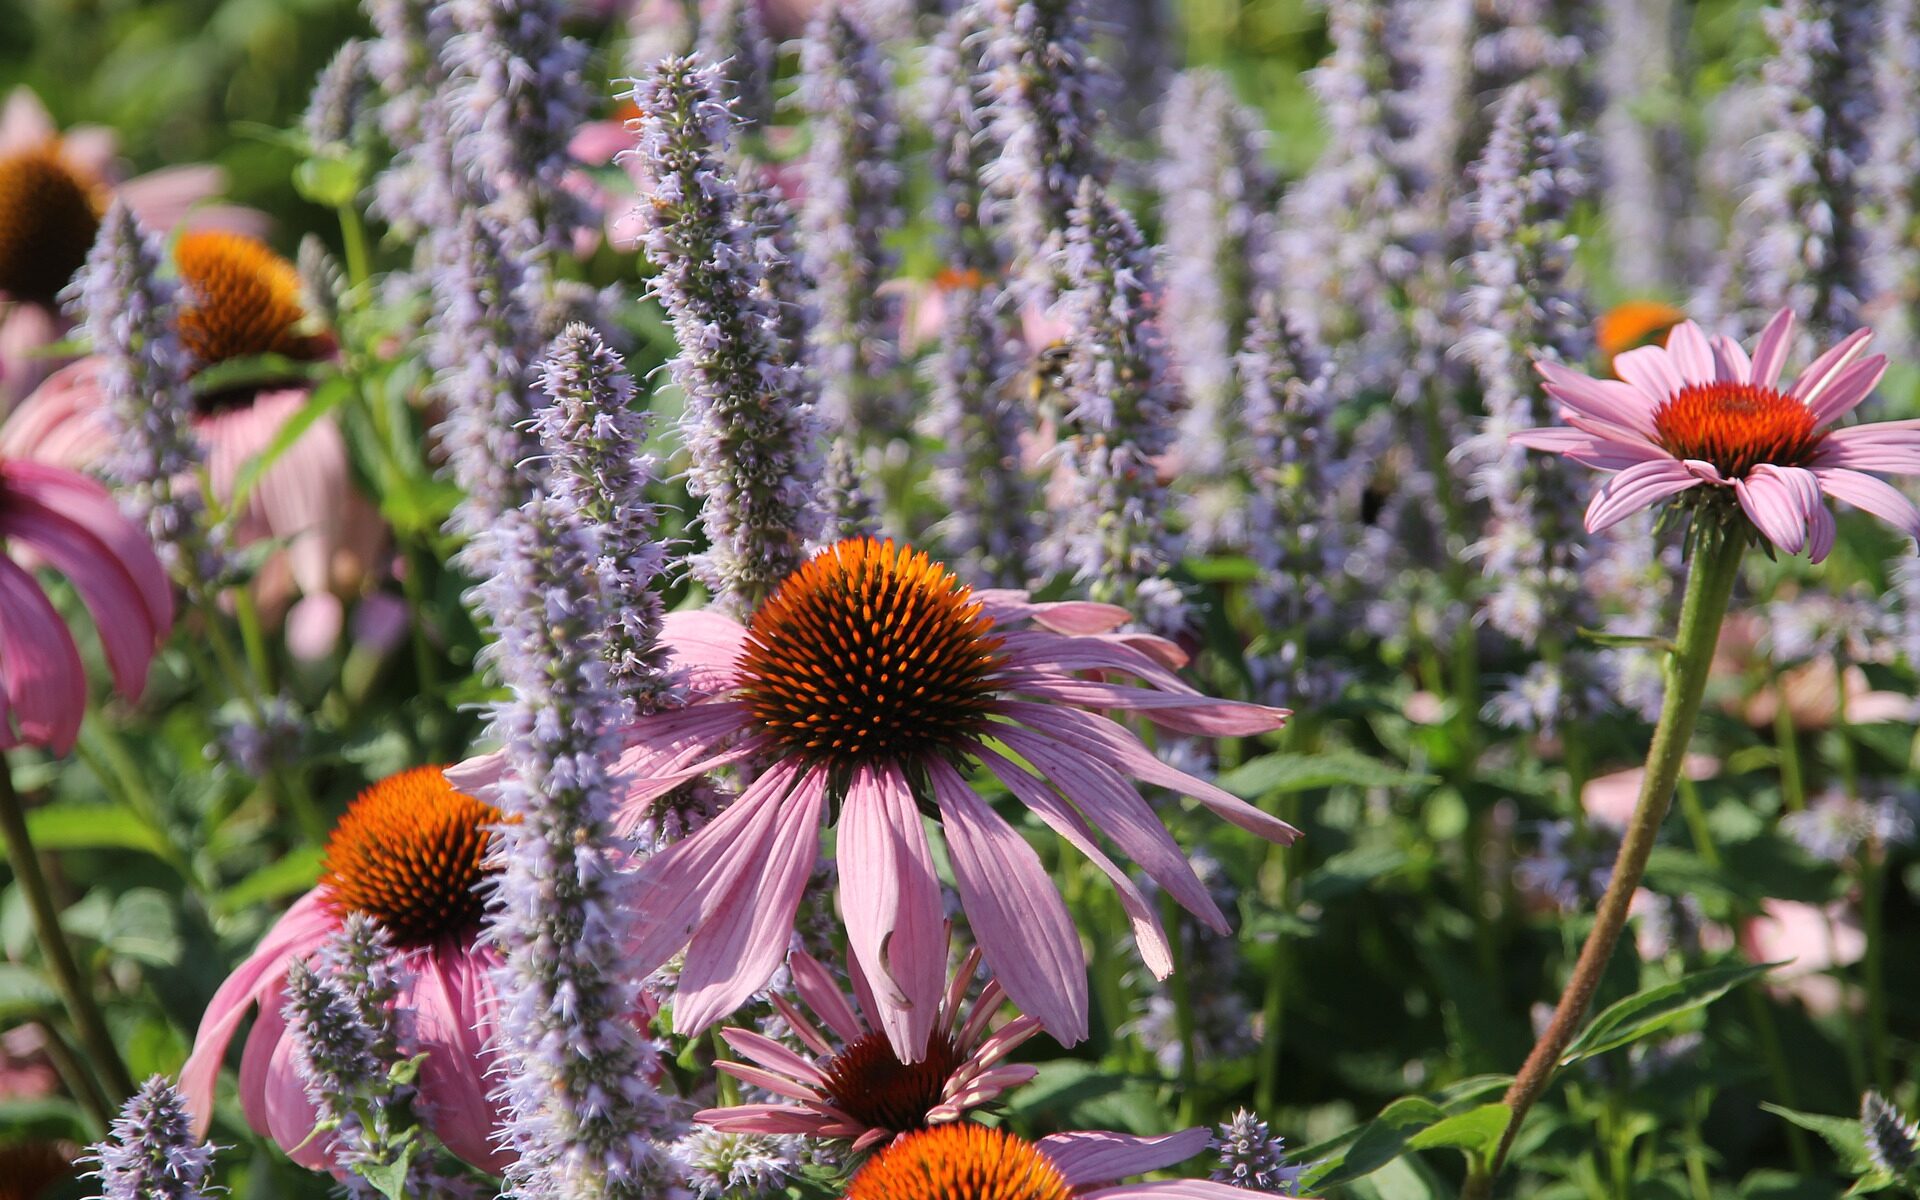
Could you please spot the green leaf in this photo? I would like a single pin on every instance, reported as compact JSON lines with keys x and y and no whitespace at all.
{"x":1844,"y":1134}
{"x":1278,"y":774}
{"x":72,"y":826}
{"x":283,"y":877}
{"x":254,"y":371}
{"x":24,"y":992}
{"x":1384,"y":1139}
{"x":329,"y":180}
{"x":142,"y":926}
{"x":1351,"y":872}
{"x":389,"y":1179}
{"x":1645,"y":1012}
{"x":327,"y":397}
{"x":1235,"y":568}
{"x":1476,"y":1131}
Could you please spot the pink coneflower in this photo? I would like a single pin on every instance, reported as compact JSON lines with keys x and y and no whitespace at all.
{"x":873,"y":677}
{"x":52,"y":516}
{"x":975,"y":1162}
{"x":859,"y":1088}
{"x":54,"y":187}
{"x":240,"y":300}
{"x":1695,"y":413}
{"x":409,"y":854}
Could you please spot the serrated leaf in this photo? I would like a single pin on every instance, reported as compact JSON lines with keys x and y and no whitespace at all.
{"x":389,"y":1179}
{"x":294,"y":873}
{"x":1476,"y":1131}
{"x":1282,"y":773}
{"x":1646,"y":1012}
{"x":72,"y":826}
{"x":1844,"y":1134}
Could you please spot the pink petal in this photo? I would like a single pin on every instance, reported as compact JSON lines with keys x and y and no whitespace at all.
{"x":161,"y":199}
{"x":25,"y":122}
{"x":1608,"y":400}
{"x":1096,"y":1157}
{"x":1636,"y":489}
{"x":1691,"y":354}
{"x":1035,"y":648}
{"x":271,"y":1094}
{"x":1816,"y":378}
{"x":678,"y":888}
{"x":1848,"y":389}
{"x":773,"y":1056}
{"x":802,"y":1026}
{"x":1651,"y":371}
{"x":87,"y":504}
{"x":1017,"y":915}
{"x":1781,"y":502}
{"x":1107,"y":741}
{"x":1770,"y":352}
{"x":775,"y":1119}
{"x":1208,"y":716}
{"x":110,"y":593}
{"x":1148,"y":933}
{"x":768,"y":1081}
{"x":298,"y":932}
{"x":1117,"y":810}
{"x":1872,"y":495}
{"x":706,"y":646}
{"x":1062,"y":616}
{"x":739,"y":947}
{"x":890,"y":899}
{"x":1602,"y":454}
{"x":816,"y":987}
{"x":1891,"y":446}
{"x":39,"y":666}
{"x":453,"y":1003}
{"x":1169,"y":1189}
{"x":1730,"y":361}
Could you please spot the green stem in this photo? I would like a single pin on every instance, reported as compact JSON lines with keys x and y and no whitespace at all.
{"x":1777,"y":1070}
{"x":81,"y":1084}
{"x":1716,"y":563}
{"x":1872,"y":915}
{"x":72,"y":986}
{"x":1786,"y":738}
{"x":253,"y":640}
{"x":353,"y":240}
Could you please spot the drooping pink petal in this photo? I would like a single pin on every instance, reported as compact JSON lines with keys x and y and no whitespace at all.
{"x":1108,"y":741}
{"x":1770,"y":352}
{"x":89,"y":505}
{"x":1651,"y":371}
{"x":1096,"y":1157}
{"x":451,"y":997}
{"x":1148,"y":933}
{"x":1636,"y":489}
{"x":1209,"y":716}
{"x":39,"y":665}
{"x":271,"y":1095}
{"x":740,"y":946}
{"x":298,"y":932}
{"x":676,"y":889}
{"x":773,"y":1056}
{"x":1602,"y":454}
{"x":768,"y":1081}
{"x":111,"y":595}
{"x":1848,"y":389}
{"x":1018,"y":918}
{"x":890,"y":899}
{"x":1816,"y":378}
{"x":1869,"y":494}
{"x":1780,"y":501}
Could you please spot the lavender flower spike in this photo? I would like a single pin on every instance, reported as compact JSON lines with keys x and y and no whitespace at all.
{"x":129,"y":313}
{"x":1046,"y":90}
{"x":592,"y":437}
{"x":749,"y":428}
{"x":150,"y":1153}
{"x":851,"y":200}
{"x":1216,"y":197}
{"x":1112,"y":534}
{"x":584,"y":1120}
{"x":1253,"y":1158}
{"x":517,"y":96}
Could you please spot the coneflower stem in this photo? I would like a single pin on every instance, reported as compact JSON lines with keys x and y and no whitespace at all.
{"x":73,"y":989}
{"x":1716,"y":563}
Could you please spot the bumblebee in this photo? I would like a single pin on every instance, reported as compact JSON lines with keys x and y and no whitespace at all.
{"x":1046,"y":375}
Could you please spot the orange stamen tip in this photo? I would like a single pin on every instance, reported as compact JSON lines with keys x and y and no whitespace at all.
{"x":410,"y":852}
{"x":871,"y":651}
{"x":241,"y":299}
{"x":959,"y":1162}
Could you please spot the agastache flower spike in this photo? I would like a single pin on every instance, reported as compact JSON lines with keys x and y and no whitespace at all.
{"x":130,"y":313}
{"x":1801,"y":230}
{"x":338,"y":107}
{"x":1253,"y":1158}
{"x":1893,"y":1141}
{"x":1522,"y":305}
{"x":1892,"y":173}
{"x":517,"y":97}
{"x":405,"y":61}
{"x":1112,"y":534}
{"x":151,"y":1153}
{"x":851,"y":201}
{"x":584,"y":1119}
{"x":785,"y":282}
{"x":592,"y":437}
{"x":1046,"y":89}
{"x":844,"y":496}
{"x":478,"y":344}
{"x":749,"y":430}
{"x":733,"y":35}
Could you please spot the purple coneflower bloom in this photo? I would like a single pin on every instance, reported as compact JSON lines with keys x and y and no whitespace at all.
{"x":873,"y":676}
{"x":860,"y":1089}
{"x":1695,"y":413}
{"x":71,"y":524}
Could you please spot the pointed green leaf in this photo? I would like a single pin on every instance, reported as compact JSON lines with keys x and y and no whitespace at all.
{"x":1646,"y":1012}
{"x":1476,"y":1131}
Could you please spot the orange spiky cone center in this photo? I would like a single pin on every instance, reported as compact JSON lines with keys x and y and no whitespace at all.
{"x":959,"y":1162}
{"x":49,"y":214}
{"x":1736,"y":427}
{"x":411,"y":853}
